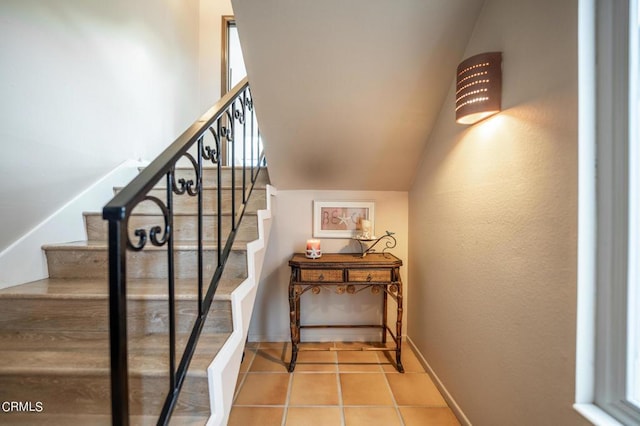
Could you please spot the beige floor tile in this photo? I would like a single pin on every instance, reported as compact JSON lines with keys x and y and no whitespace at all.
{"x":414,"y":389}
{"x":238,"y":385}
{"x":313,"y":416}
{"x":365,"y":389}
{"x":316,"y":345}
{"x":367,"y":397}
{"x":419,"y":416}
{"x":316,"y":361}
{"x":264,"y":389}
{"x":249,"y":354}
{"x":409,"y":361}
{"x":285,"y":346}
{"x":314,"y":389}
{"x":360,"y":345}
{"x":256,"y":416}
{"x":271,"y":360}
{"x":371,"y":416}
{"x":364,"y":361}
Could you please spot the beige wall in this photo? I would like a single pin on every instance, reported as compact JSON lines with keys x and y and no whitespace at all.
{"x":492,"y":215}
{"x":292,"y":226}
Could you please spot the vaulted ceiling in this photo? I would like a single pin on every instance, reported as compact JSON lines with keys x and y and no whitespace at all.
{"x":347,"y":91}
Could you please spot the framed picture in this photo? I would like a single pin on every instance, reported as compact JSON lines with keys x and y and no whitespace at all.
{"x":340,"y":219}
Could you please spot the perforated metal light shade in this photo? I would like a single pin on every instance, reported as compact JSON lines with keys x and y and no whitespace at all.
{"x":479,"y":87}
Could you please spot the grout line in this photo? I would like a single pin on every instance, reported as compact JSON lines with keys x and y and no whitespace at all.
{"x":338,"y":373}
{"x":260,"y":405}
{"x":393,"y":397}
{"x":285,"y":411}
{"x":300,"y":406}
{"x":244,"y":378}
{"x":340,"y":399}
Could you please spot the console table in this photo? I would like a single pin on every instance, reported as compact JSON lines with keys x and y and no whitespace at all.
{"x":351,"y":274}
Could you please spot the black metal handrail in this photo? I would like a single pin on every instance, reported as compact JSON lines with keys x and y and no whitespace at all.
{"x":231,"y":118}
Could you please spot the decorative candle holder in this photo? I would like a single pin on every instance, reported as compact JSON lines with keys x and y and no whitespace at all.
{"x":389,"y":243}
{"x":313,"y":249}
{"x":366,"y":229}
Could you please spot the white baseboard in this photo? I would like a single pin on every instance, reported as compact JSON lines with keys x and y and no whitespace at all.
{"x":24,"y":261}
{"x":462,"y":418}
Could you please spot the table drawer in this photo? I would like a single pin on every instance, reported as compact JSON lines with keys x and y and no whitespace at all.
{"x":321,"y":275}
{"x":367,"y":275}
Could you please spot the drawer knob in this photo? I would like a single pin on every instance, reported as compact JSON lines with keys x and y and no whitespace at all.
{"x":369,"y":278}
{"x":321,"y":277}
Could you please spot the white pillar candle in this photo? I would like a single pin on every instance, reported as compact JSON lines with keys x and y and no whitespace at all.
{"x":366,"y":228}
{"x":313,"y":249}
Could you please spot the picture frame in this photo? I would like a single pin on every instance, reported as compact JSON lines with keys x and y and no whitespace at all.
{"x":340,"y":219}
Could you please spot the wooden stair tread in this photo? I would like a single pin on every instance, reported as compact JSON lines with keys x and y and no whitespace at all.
{"x":147,"y":356}
{"x":225,"y":187}
{"x":177,"y":245}
{"x":26,"y":340}
{"x":154,"y":214}
{"x":44,"y":418}
{"x":92,"y":288}
{"x":54,"y":340}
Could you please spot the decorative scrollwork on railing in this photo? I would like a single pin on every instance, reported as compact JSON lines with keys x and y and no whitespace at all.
{"x":212,"y":154}
{"x":239,"y":115}
{"x":189,"y":186}
{"x":155,"y":231}
{"x":227,"y":132}
{"x":246,"y":101}
{"x":129,"y":234}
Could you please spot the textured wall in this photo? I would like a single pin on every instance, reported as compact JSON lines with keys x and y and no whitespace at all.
{"x":492,"y":214}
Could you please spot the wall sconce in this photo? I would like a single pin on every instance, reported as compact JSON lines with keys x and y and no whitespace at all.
{"x":479,"y":87}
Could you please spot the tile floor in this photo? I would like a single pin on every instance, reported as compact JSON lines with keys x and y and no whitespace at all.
{"x":348,"y":388}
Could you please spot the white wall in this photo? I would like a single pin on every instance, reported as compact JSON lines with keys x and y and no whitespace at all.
{"x":292,"y":226}
{"x":211,"y":12}
{"x":84,"y":86}
{"x":493,"y":220}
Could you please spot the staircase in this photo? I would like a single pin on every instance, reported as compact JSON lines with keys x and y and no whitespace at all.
{"x":54,"y":333}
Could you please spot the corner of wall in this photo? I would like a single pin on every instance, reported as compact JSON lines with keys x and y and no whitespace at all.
{"x":24,"y":261}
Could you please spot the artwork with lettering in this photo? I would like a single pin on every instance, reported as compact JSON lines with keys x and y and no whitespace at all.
{"x":340,"y":219}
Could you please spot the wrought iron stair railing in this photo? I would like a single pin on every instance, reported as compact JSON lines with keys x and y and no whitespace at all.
{"x":228,"y":124}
